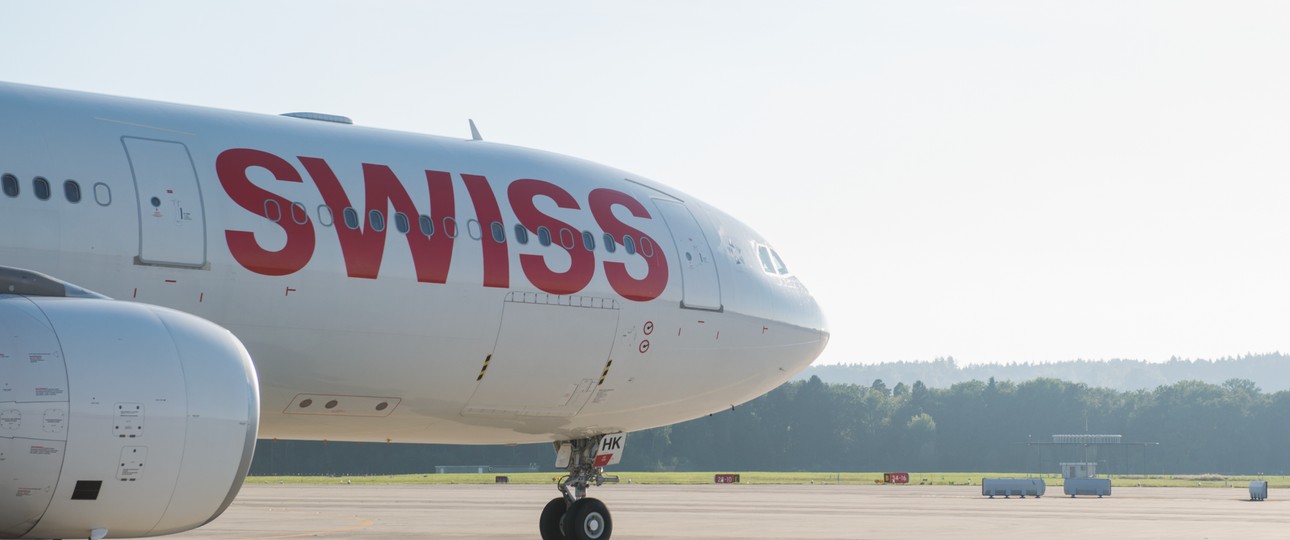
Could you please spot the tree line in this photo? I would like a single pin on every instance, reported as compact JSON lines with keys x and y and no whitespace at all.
{"x":1271,"y":370}
{"x":1194,"y":427}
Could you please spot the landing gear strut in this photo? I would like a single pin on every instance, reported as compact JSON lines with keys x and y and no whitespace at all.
{"x":573,"y":515}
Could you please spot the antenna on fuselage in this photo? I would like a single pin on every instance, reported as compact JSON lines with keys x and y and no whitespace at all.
{"x":474,"y":131}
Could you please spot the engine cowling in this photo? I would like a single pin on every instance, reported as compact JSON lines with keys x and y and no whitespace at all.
{"x":130,"y":418}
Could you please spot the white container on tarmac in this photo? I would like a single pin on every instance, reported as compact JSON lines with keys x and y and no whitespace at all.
{"x":1087,"y":486}
{"x":1258,"y":490}
{"x":1007,"y":487}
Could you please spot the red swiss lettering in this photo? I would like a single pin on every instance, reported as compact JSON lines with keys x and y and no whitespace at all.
{"x":231,"y":166}
{"x":364,"y":246}
{"x":582,"y":263}
{"x":497,"y":262}
{"x":652,"y":284}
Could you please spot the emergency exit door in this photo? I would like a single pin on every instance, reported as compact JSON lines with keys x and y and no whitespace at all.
{"x":172,"y":225}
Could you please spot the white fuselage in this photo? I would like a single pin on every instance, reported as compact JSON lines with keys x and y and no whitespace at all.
{"x":373,"y":330}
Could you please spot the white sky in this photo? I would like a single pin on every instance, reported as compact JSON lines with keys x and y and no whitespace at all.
{"x":996,"y":181}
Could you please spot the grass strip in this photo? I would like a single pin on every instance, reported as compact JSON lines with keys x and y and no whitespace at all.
{"x":775,"y":478}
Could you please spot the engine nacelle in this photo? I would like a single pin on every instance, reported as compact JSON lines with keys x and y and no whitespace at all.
{"x":130,"y":418}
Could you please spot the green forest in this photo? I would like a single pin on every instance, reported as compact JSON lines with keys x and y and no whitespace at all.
{"x":1193,"y":427}
{"x":1270,"y":370}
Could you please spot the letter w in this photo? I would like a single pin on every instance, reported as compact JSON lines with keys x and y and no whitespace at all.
{"x":364,"y":246}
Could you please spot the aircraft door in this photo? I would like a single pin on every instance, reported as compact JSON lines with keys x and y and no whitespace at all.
{"x":172,"y":224}
{"x":699,"y":283}
{"x":550,"y":354}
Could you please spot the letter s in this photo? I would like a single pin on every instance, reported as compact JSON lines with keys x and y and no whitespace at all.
{"x":231,"y":166}
{"x":582,"y":263}
{"x":646,"y":288}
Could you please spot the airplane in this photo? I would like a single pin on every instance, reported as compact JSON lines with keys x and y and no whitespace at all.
{"x":178,"y":281}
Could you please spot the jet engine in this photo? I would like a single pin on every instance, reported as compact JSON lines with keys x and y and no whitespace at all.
{"x":118,"y":419}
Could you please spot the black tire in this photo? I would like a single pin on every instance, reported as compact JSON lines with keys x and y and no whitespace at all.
{"x":549,"y":523}
{"x":588,"y":519}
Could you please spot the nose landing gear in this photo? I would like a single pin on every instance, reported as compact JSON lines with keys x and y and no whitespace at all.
{"x":585,"y":519}
{"x":574,"y":515}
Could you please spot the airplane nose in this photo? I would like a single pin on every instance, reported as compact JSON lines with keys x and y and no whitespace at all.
{"x":817,"y":314}
{"x":797,"y":309}
{"x":821,"y":326}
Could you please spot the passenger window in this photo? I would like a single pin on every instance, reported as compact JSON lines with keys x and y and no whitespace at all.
{"x":325,"y":216}
{"x":72,"y":191}
{"x":351,"y":218}
{"x":10,"y":185}
{"x":499,"y":232}
{"x":427,"y":225}
{"x":41,"y":187}
{"x":629,"y":245}
{"x":299,"y":214}
{"x":588,"y":241}
{"x":647,"y":246}
{"x":566,"y":238}
{"x":474,"y":229}
{"x":376,"y":219}
{"x":521,"y":234}
{"x":450,"y":227}
{"x":610,"y":245}
{"x":271,"y":209}
{"x":763,"y":253}
{"x":401,"y":222}
{"x":544,"y":236}
{"x":102,"y":193}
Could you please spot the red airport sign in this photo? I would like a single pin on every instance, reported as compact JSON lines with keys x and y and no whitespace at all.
{"x":895,"y":478}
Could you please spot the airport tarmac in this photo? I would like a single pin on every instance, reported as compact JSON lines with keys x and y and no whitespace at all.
{"x":720,"y":512}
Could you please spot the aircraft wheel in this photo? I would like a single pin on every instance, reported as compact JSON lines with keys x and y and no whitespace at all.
{"x":549,"y":523}
{"x":588,"y":519}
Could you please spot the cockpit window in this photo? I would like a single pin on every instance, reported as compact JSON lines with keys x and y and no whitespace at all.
{"x":770,"y":261}
{"x":779,"y":263}
{"x":763,"y":253}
